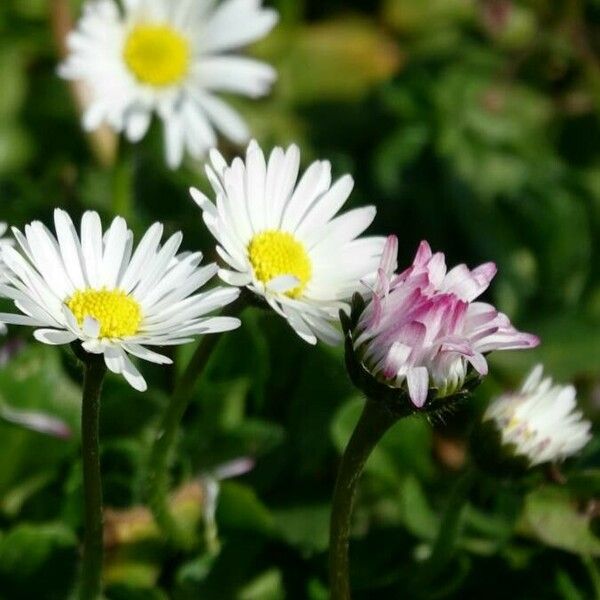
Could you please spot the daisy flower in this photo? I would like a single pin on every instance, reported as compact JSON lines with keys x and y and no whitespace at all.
{"x":282,"y":239}
{"x":169,"y":57}
{"x":117,"y":301}
{"x":422,"y":328}
{"x":541,"y":421}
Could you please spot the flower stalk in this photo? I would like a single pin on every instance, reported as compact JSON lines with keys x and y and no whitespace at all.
{"x":123,"y":183}
{"x":374,"y":421}
{"x":161,"y":455}
{"x":159,"y":480}
{"x":91,"y":572}
{"x":385,"y":405}
{"x":445,"y":543}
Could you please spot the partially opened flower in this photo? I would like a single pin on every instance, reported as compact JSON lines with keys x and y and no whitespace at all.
{"x":116,"y":300}
{"x":282,"y":239}
{"x":540,"y":422}
{"x":422,"y":328}
{"x":169,"y":57}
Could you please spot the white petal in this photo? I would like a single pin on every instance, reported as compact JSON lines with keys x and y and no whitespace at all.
{"x":225,"y":119}
{"x":282,"y":284}
{"x":54,"y":337}
{"x":417,"y":379}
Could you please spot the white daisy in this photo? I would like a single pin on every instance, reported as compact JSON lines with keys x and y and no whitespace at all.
{"x":284,"y":242}
{"x":540,"y":421}
{"x":169,"y":57}
{"x":95,"y":288}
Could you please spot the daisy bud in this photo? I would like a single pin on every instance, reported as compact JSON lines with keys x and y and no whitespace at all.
{"x":423,"y":333}
{"x":538,"y":424}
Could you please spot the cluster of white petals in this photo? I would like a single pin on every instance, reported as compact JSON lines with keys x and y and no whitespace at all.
{"x":283,"y":239}
{"x":540,"y":421}
{"x":423,"y":328}
{"x":116,"y":299}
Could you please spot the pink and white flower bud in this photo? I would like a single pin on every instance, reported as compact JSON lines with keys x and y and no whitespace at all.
{"x":422,"y":327}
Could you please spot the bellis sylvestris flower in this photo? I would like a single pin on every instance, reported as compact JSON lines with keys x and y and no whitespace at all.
{"x":423,"y":329}
{"x":169,"y":57}
{"x":115,"y":300}
{"x":540,"y":421}
{"x":282,"y":239}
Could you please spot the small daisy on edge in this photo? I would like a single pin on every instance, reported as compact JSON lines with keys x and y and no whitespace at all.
{"x":282,"y":239}
{"x":115,"y":300}
{"x":540,"y":422}
{"x":169,"y":57}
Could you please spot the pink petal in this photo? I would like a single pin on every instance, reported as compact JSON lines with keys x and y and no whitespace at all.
{"x":423,"y":254}
{"x":389,"y":257}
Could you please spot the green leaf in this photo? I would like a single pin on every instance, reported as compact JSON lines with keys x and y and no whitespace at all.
{"x":552,"y":516}
{"x":304,"y":527}
{"x":267,"y":586}
{"x":195,"y":571}
{"x":132,"y":592}
{"x":35,"y":380}
{"x":417,"y":515}
{"x":348,"y":57}
{"x":239,"y":508}
{"x":134,"y":573}
{"x":35,"y":553}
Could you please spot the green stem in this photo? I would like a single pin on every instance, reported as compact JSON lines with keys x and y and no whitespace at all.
{"x":159,"y":481}
{"x":444,"y":546}
{"x":123,"y":183}
{"x":374,"y":421}
{"x":91,"y":573}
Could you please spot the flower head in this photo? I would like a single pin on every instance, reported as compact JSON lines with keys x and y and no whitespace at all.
{"x":282,"y":239}
{"x":116,"y":300}
{"x":540,"y":421}
{"x":422,"y":327}
{"x":169,"y":57}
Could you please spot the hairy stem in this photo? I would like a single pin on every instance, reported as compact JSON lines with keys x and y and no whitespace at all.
{"x":91,"y":573}
{"x":374,"y":421}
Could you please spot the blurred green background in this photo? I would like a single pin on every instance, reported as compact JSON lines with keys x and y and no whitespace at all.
{"x":473,"y":124}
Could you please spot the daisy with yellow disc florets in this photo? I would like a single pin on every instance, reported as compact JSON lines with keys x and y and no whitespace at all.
{"x":284,"y":240}
{"x":170,"y":58}
{"x":117,"y":301}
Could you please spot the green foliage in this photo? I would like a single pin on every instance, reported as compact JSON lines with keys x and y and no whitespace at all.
{"x":473,"y":124}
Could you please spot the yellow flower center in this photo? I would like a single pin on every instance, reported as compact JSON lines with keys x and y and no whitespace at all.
{"x":157,"y":54}
{"x":119,"y":315}
{"x":274,"y":253}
